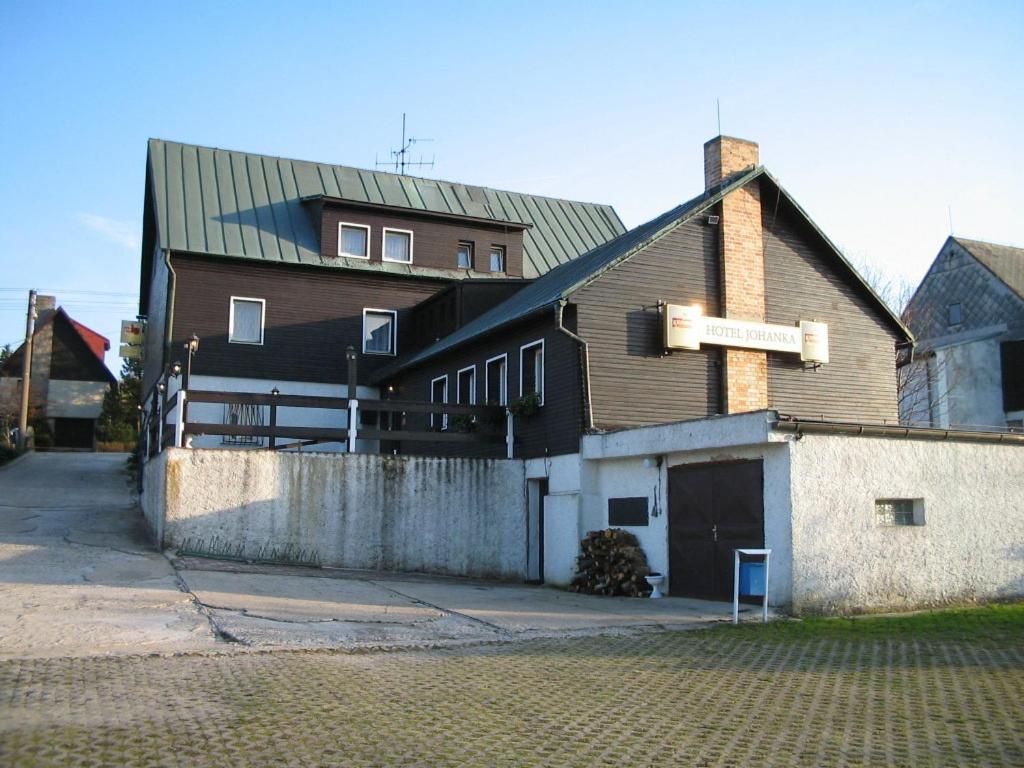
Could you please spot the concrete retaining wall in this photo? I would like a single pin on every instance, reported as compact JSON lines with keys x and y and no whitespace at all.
{"x":153,"y":497}
{"x":971,"y":545}
{"x":396,"y":513}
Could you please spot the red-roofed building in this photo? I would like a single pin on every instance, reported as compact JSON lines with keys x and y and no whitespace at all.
{"x":69,"y":377}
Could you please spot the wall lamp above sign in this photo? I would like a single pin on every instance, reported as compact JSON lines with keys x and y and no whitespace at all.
{"x":688,"y":328}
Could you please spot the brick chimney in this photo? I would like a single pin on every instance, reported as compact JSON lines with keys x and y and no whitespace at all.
{"x":741,"y":253}
{"x":724,"y":156}
{"x":42,"y":354}
{"x":45,"y":302}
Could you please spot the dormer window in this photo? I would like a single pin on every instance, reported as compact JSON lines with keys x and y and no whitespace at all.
{"x":353,"y":240}
{"x":398,"y":245}
{"x":497,"y":258}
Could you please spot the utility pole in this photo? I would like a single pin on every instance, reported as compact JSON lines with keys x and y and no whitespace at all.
{"x":26,"y":369}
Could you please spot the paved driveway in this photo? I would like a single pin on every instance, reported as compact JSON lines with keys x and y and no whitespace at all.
{"x":718,"y":698}
{"x":77,"y":574}
{"x":78,"y":577}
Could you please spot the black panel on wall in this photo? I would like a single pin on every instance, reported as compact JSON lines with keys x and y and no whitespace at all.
{"x":627,"y":511}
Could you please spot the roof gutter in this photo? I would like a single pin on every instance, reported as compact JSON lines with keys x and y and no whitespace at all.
{"x":584,"y":363}
{"x":799,"y":427}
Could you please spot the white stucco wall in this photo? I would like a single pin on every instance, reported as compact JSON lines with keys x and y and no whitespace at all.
{"x":75,"y":399}
{"x":399,"y":513}
{"x":213,"y":413}
{"x":971,"y":384}
{"x":613,"y":466}
{"x":562,"y":525}
{"x":971,"y":545}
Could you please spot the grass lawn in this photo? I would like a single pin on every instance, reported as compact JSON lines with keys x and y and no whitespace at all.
{"x":996,"y":623}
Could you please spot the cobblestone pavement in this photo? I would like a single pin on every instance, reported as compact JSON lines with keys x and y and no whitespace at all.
{"x":719,"y":697}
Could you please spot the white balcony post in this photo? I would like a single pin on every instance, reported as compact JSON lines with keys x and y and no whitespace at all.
{"x":353,"y":420}
{"x":179,"y":419}
{"x":510,"y":437}
{"x":159,"y":420}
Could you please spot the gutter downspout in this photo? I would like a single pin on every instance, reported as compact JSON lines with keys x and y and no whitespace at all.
{"x":169,"y":319}
{"x":584,"y":359}
{"x":169,"y":324}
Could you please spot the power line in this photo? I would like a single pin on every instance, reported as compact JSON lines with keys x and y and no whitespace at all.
{"x":73,"y":303}
{"x":74,"y":291}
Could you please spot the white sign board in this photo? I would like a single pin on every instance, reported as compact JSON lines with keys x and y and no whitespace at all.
{"x":131,"y":332}
{"x":130,"y":351}
{"x":687,"y":328}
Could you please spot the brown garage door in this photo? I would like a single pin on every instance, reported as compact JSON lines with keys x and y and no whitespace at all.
{"x":713,"y":509}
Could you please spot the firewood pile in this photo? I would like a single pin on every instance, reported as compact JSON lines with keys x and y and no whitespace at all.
{"x":611,"y":562}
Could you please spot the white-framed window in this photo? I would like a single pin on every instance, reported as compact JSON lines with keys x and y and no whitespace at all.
{"x":397,"y":245}
{"x":465,"y":386}
{"x":496,"y":381}
{"x":245,"y":321}
{"x":353,"y":240}
{"x":895,"y":512}
{"x":497,"y":258}
{"x":380,"y":331}
{"x":464,"y":255}
{"x":531,"y":369}
{"x":439,"y":394}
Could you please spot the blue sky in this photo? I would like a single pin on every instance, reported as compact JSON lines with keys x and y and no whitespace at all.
{"x":878,"y":117}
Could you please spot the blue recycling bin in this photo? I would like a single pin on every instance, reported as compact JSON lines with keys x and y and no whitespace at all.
{"x":752,"y":579}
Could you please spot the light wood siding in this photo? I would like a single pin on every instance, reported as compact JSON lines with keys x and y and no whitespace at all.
{"x":803,"y":282}
{"x":555,"y":430}
{"x":311,"y":316}
{"x":632,"y":381}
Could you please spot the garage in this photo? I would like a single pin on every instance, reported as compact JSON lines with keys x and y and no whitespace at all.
{"x":714,"y":508}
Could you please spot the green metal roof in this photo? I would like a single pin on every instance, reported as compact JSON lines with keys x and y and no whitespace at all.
{"x":562,"y":281}
{"x":236,"y":204}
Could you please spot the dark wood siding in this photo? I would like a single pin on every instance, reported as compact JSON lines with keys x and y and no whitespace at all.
{"x":554,"y":430}
{"x":434,"y":241}
{"x":476,"y":297}
{"x":632,"y":381}
{"x":802,"y":281}
{"x":311,"y":316}
{"x":452,"y":308}
{"x":70,"y":357}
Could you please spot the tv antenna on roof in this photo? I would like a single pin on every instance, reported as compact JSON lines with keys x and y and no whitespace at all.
{"x":400,"y":157}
